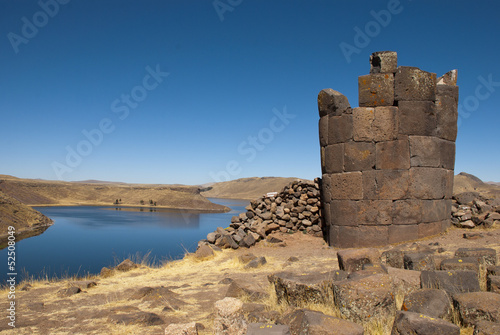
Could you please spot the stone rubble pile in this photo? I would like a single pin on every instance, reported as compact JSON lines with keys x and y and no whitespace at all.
{"x":470,"y":210}
{"x":296,"y":208}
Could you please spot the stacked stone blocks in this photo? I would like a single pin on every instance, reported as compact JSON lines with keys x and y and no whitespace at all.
{"x":387,"y":166}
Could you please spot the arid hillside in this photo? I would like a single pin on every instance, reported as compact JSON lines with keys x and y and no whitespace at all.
{"x":40,"y":192}
{"x":465,"y":182}
{"x":246,"y":188}
{"x":26,"y":220}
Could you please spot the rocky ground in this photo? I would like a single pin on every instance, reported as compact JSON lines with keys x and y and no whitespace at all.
{"x":143,"y":300}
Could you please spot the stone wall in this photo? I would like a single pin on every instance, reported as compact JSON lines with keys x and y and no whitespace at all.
{"x":387,"y":166}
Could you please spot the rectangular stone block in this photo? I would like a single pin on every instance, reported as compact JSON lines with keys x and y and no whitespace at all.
{"x":435,"y":210}
{"x":331,"y":102}
{"x":323,"y":131}
{"x":359,"y":156}
{"x":373,"y":236}
{"x":344,"y":236}
{"x":385,"y":184}
{"x":413,"y":84}
{"x":344,"y":212}
{"x":383,"y":62}
{"x":417,"y":118}
{"x":374,"y":212}
{"x":385,"y":125}
{"x":339,"y":128}
{"x":376,"y":90}
{"x":346,"y":186}
{"x":393,"y":155}
{"x":326,"y":188}
{"x":334,"y":158}
{"x":446,"y":117}
{"x":407,"y":212}
{"x":425,"y":151}
{"x":449,"y":179}
{"x":430,"y":229}
{"x":428,"y":183}
{"x":447,"y":154}
{"x":403,"y":233}
{"x":362,"y":120}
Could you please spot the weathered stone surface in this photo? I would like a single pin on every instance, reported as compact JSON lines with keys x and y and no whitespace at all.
{"x":383,"y":62}
{"x":413,"y":84}
{"x":451,"y":281}
{"x":339,"y":128}
{"x":465,"y":263}
{"x":229,"y":317}
{"x":374,"y":212}
{"x":385,"y":184}
{"x":348,"y":185}
{"x":486,"y":255}
{"x":393,"y":258}
{"x":67,"y":292}
{"x":126,"y":265}
{"x":375,"y":124}
{"x":449,"y":78}
{"x":255,"y":263}
{"x":363,"y":298}
{"x":181,"y":329}
{"x":267,"y":329}
{"x":334,"y":158}
{"x":428,"y":183}
{"x":431,"y":302}
{"x":493,"y":284}
{"x":476,"y":306}
{"x":435,"y":210}
{"x":393,"y":155}
{"x":248,"y":241}
{"x":323,"y":131}
{"x":372,"y":236}
{"x":376,"y":90}
{"x":402,"y":233}
{"x":410,"y":323}
{"x":344,"y":212}
{"x":446,"y":112}
{"x":417,"y":118}
{"x":298,"y":289}
{"x":211,"y":237}
{"x":331,"y":102}
{"x":305,"y":321}
{"x":447,"y":154}
{"x":226,"y":242}
{"x":136,"y":318}
{"x":353,"y":259}
{"x":358,"y":156}
{"x":432,"y":228}
{"x":486,"y":328}
{"x":407,"y":212}
{"x":425,"y":151}
{"x":466,"y":198}
{"x":238,"y":289}
{"x":405,"y":280}
{"x":106,"y":272}
{"x":419,"y":261}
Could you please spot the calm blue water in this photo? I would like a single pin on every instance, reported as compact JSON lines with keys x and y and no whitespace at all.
{"x":85,"y":239}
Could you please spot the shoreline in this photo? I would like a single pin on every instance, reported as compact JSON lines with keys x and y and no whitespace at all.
{"x":206,"y":210}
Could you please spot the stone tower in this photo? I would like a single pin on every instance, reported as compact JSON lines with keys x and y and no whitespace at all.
{"x":387,"y":165}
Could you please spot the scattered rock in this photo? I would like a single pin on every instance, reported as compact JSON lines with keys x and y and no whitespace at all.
{"x":410,"y":323}
{"x":486,"y":255}
{"x":84,"y":284}
{"x":67,"y":292}
{"x":476,"y":306}
{"x":351,"y":260}
{"x":431,"y":302}
{"x":486,"y":328}
{"x":360,"y":299}
{"x":267,"y":329}
{"x":182,"y":329}
{"x":126,"y":265}
{"x":305,"y":321}
{"x":293,"y":259}
{"x":229,"y":317}
{"x":246,"y":258}
{"x":106,"y":272}
{"x":204,"y":252}
{"x":255,"y":263}
{"x":136,"y":318}
{"x":451,"y":281}
{"x":238,"y":290}
{"x":419,"y":261}
{"x":493,"y":284}
{"x":394,"y":258}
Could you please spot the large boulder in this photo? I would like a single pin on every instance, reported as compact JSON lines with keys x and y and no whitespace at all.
{"x":431,"y":302}
{"x":229,"y":318}
{"x":476,"y":306}
{"x":353,"y":259}
{"x":181,"y":329}
{"x":451,"y":281}
{"x":363,"y":298}
{"x":486,"y":328}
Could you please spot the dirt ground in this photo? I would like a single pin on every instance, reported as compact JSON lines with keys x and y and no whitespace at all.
{"x":186,"y":290}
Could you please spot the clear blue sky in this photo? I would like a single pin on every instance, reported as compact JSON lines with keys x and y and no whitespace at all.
{"x":234,"y":70}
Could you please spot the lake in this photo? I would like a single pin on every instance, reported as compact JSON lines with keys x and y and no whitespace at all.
{"x":83,"y":239}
